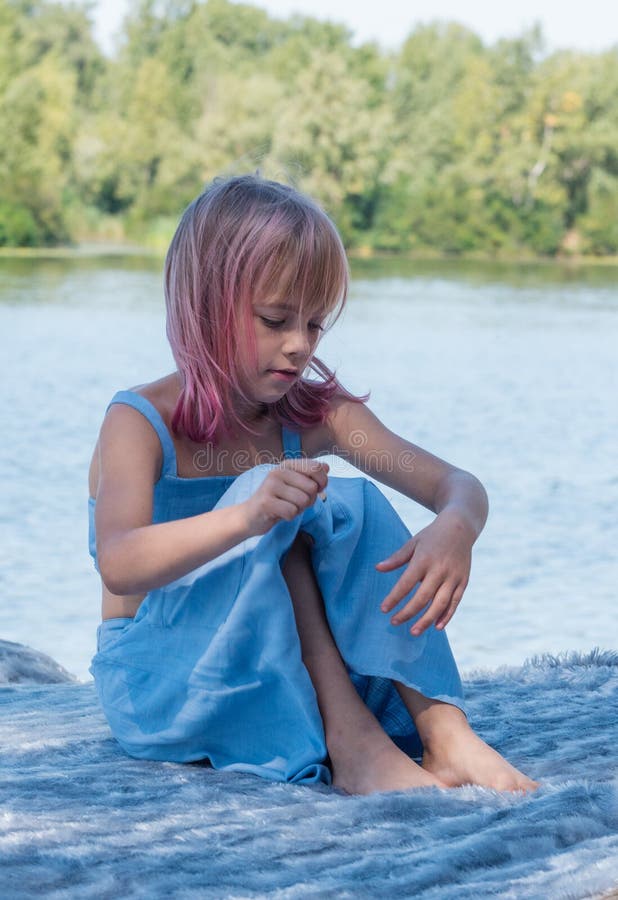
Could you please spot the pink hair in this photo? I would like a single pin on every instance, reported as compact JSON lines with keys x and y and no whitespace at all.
{"x":241,"y":234}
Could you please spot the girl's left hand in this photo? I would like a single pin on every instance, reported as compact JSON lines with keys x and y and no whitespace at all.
{"x":439,"y":556}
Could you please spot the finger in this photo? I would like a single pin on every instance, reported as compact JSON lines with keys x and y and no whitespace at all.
{"x":407,"y":583}
{"x":398,"y":558}
{"x":317,"y":474}
{"x":298,"y":479}
{"x":312,"y":486}
{"x":451,"y":609}
{"x":428,"y":592}
{"x":321,"y":478}
{"x":283,"y":509}
{"x":302,"y":463}
{"x":299,"y":497}
{"x":310,"y":467}
{"x":437,"y":608}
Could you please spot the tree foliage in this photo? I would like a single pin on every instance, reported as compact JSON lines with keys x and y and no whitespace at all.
{"x":447,"y":145}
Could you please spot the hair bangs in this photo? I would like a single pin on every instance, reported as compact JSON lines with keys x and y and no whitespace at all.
{"x":307,"y":265}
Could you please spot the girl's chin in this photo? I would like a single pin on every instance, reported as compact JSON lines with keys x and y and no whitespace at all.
{"x":270,"y":387}
{"x":266,"y":397}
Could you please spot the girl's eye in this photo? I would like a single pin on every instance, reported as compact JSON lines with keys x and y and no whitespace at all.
{"x":278,"y":323}
{"x":272,"y":323}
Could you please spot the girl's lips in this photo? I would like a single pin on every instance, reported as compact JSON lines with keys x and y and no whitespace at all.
{"x":284,"y":376}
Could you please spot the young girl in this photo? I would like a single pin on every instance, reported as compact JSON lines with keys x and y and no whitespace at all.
{"x":254,"y":615}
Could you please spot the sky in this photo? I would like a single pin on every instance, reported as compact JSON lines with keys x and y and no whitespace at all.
{"x":592,"y":26}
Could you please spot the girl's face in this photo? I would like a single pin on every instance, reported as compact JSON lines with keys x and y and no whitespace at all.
{"x":286,"y":339}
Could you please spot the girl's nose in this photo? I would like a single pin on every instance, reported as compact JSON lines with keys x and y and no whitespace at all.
{"x":297,"y":343}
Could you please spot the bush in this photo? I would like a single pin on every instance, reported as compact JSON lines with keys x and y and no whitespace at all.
{"x":18,"y":227}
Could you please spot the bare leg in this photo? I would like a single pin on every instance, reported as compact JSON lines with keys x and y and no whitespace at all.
{"x":453,"y":752}
{"x":363,"y":757}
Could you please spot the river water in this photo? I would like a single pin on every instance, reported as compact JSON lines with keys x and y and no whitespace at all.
{"x":508,"y":372}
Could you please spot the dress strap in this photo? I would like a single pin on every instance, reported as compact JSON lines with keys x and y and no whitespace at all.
{"x":146,"y":408}
{"x":292,"y":448}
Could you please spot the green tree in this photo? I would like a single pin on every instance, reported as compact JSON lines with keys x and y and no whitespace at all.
{"x":448,"y":145}
{"x":48,"y":70}
{"x":330,"y":138}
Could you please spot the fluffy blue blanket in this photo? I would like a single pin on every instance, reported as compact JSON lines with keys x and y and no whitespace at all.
{"x":80,"y":819}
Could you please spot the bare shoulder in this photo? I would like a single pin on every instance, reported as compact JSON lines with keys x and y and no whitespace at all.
{"x":127,"y":445}
{"x":162,"y":393}
{"x":317,"y":440}
{"x":351,"y":423}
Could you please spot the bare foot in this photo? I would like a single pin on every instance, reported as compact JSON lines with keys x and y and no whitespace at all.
{"x":463,"y":758}
{"x":378,"y":765}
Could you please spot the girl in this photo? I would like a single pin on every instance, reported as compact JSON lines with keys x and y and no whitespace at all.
{"x":246,"y":597}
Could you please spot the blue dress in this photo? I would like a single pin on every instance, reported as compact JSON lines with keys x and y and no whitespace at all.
{"x":210,"y":668}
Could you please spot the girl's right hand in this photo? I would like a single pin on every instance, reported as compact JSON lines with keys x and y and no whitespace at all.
{"x":285,"y":492}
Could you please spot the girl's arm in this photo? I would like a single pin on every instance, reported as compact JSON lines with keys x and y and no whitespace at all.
{"x":438,"y":556}
{"x":136,"y":556}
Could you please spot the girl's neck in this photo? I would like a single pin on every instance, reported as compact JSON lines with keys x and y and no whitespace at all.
{"x":254,"y":415}
{"x":251,"y":413}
